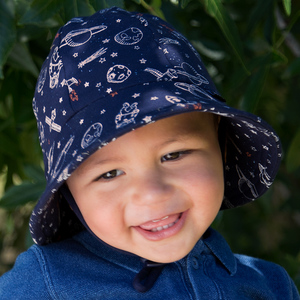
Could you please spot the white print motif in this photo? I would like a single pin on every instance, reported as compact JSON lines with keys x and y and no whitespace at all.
{"x":165,"y":41}
{"x":41,"y":80}
{"x":69,"y":83}
{"x":35,"y":108}
{"x":49,"y":156}
{"x":174,"y":99}
{"x":264,"y":177}
{"x":92,"y":57}
{"x":167,"y":76}
{"x":193,"y":89}
{"x":91,"y":135}
{"x":42,"y":132}
{"x":79,"y":37}
{"x":127,"y":114}
{"x":143,"y":20}
{"x":117,"y":74}
{"x":54,"y":68}
{"x":74,"y":20}
{"x":245,"y":181}
{"x":51,"y":123}
{"x":62,"y":156}
{"x":192,"y":74}
{"x":129,"y":36}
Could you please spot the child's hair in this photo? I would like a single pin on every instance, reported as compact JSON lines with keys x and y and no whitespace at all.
{"x":115,"y":71}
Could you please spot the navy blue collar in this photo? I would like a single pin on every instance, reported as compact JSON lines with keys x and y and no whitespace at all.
{"x":212,"y":242}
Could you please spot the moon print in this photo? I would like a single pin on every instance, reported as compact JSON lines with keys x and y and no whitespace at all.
{"x":129,"y":36}
{"x":117,"y":74}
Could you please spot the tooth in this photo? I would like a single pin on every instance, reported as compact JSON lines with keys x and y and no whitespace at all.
{"x":166,"y":226}
{"x":159,"y":228}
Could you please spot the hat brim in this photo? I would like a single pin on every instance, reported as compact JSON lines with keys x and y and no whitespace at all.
{"x":249,"y":170}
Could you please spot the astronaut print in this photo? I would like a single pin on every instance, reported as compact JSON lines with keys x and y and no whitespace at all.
{"x":127,"y":114}
{"x":54,"y":68}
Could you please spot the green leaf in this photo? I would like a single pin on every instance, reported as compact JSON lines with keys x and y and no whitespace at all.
{"x":21,"y":194}
{"x":34,"y":172}
{"x":287,"y":4}
{"x":293,"y":69}
{"x":255,"y":89}
{"x":293,"y":157}
{"x":216,"y":9}
{"x":8,"y":146}
{"x":20,"y":58}
{"x":7,"y":34}
{"x":40,"y":11}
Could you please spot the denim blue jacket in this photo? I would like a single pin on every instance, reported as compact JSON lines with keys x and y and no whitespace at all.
{"x":84,"y":268}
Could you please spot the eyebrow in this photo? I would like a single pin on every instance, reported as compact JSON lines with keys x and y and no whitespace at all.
{"x":180,"y":137}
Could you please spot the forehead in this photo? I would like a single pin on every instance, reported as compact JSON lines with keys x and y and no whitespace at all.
{"x":159,"y":134}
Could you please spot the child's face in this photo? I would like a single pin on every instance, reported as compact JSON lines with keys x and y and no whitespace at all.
{"x":154,"y":191}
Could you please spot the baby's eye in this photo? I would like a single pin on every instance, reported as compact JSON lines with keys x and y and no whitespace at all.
{"x":174,"y":155}
{"x":111,"y":174}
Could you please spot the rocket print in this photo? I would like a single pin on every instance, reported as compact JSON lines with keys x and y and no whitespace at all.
{"x":167,"y":76}
{"x":245,"y":184}
{"x":264,"y":177}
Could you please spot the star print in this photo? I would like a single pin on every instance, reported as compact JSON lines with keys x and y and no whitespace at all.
{"x":79,"y":158}
{"x":136,"y":95}
{"x":109,"y":90}
{"x":75,"y":54}
{"x":58,"y":145}
{"x":81,"y":121}
{"x":64,"y":112}
{"x":98,"y":84}
{"x":105,"y":41}
{"x":118,"y":21}
{"x":166,"y":51}
{"x":44,"y":109}
{"x":86,"y":84}
{"x":114,"y":54}
{"x":148,"y":119}
{"x":153,"y":98}
{"x":136,"y":47}
{"x":74,"y":153}
{"x":103,"y":111}
{"x":102,"y":60}
{"x":143,"y":61}
{"x":60,"y":100}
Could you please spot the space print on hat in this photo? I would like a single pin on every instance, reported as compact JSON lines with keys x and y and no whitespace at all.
{"x":115,"y":71}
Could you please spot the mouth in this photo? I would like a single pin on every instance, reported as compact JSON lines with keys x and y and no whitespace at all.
{"x":168,"y":226}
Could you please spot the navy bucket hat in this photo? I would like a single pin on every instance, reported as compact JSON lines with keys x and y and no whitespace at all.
{"x":115,"y":71}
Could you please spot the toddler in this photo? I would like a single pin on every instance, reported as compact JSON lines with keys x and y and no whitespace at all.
{"x":141,"y":153}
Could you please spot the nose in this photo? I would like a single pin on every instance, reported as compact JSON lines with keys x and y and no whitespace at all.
{"x":153,"y":187}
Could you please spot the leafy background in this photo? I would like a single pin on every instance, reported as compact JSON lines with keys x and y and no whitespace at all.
{"x":251,"y":49}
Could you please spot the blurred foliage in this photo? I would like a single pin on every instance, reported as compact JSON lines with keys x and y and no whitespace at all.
{"x":252,"y":51}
